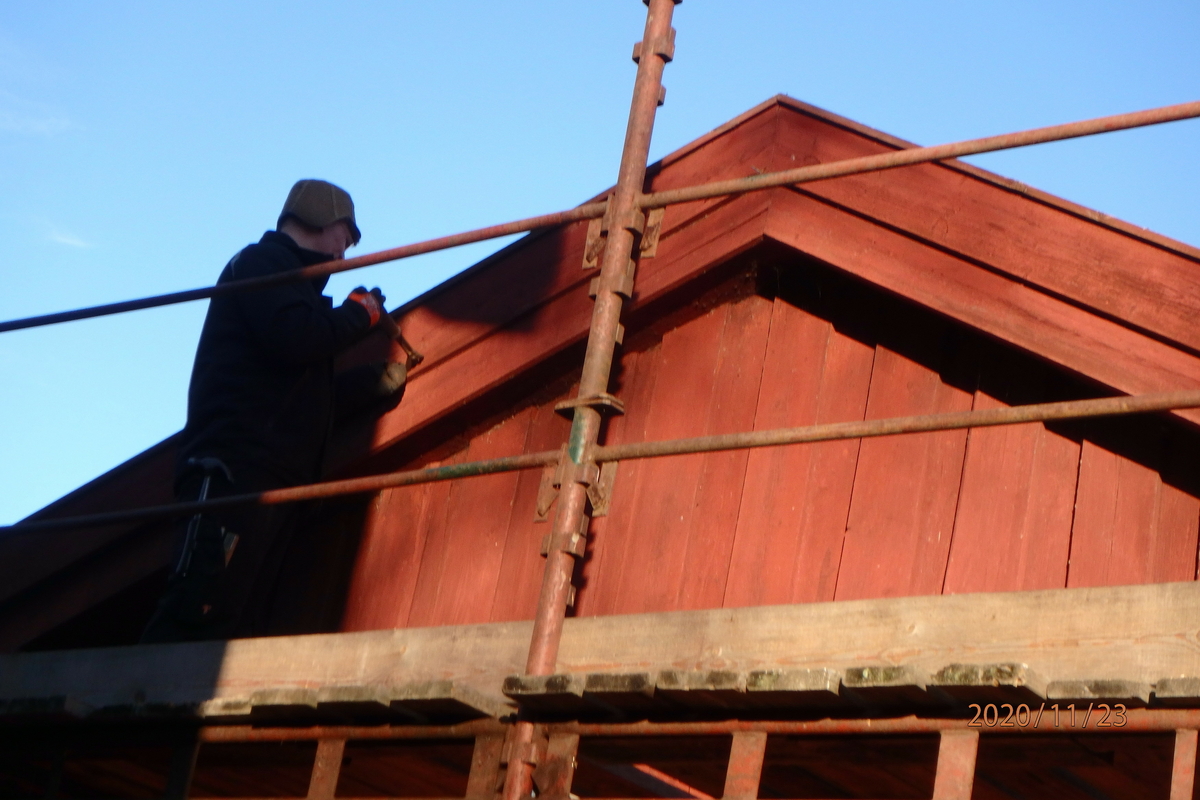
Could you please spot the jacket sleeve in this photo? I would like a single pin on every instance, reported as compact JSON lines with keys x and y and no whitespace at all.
{"x":359,"y":388}
{"x":292,"y":321}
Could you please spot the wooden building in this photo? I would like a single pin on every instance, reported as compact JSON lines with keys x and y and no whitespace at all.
{"x":845,"y":582}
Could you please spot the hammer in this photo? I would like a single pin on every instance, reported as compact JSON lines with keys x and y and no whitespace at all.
{"x":389,"y":326}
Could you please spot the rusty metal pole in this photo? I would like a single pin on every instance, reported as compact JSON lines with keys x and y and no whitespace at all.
{"x":625,"y":222}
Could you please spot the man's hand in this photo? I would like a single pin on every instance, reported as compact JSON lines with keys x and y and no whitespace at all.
{"x":371,"y":301}
{"x":392,"y":380}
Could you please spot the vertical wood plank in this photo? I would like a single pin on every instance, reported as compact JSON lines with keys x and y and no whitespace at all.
{"x":389,"y":559}
{"x":956,"y":765}
{"x":521,"y":564}
{"x":713,"y":520}
{"x":464,"y":568}
{"x":326,"y":768}
{"x":556,"y":770}
{"x":665,"y":492}
{"x":906,"y":487}
{"x":484,"y":779}
{"x":1183,"y":768}
{"x":795,"y":499}
{"x":745,"y":765}
{"x":1129,"y":526}
{"x":179,"y":773}
{"x":1174,"y":555}
{"x":1012,"y":529}
{"x":611,"y":536}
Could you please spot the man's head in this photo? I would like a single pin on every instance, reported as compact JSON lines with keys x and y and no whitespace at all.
{"x":319,"y":216}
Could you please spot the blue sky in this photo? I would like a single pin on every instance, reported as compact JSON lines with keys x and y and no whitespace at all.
{"x":143,"y":143}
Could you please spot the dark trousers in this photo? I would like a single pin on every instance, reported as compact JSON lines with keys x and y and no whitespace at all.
{"x":214,"y":599}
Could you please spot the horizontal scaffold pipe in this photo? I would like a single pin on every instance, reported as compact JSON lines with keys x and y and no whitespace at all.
{"x":921,"y":155}
{"x":1139,"y":720}
{"x":815,"y":172}
{"x":295,"y":494}
{"x":587,"y":211}
{"x":1013,"y":415}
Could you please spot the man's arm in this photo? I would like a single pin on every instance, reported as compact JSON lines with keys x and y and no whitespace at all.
{"x":293,"y":321}
{"x":362,"y":387}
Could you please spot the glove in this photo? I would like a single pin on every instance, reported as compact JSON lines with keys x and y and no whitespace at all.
{"x":392,"y":380}
{"x":371,"y":301}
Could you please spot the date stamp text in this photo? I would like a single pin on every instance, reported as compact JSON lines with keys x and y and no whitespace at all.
{"x":1005,"y":715}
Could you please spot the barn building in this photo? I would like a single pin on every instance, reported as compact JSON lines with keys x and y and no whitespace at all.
{"x":804,"y":621}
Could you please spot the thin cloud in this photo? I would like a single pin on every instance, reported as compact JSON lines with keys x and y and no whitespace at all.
{"x":31,"y":118}
{"x":59,"y":236}
{"x":69,"y":240}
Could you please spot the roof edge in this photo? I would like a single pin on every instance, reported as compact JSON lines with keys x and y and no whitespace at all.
{"x":1008,"y":184}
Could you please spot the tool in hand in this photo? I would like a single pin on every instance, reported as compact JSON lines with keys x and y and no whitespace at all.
{"x":389,"y":326}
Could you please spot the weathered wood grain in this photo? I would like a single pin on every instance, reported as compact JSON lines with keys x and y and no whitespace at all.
{"x":1129,"y":526}
{"x":520,"y":575}
{"x":461,"y":565}
{"x":389,"y":559}
{"x":905,"y":487}
{"x":1104,"y":269}
{"x":1012,"y":527}
{"x":712,"y":526}
{"x":635,"y":378}
{"x":1141,"y":634}
{"x":1064,"y":334}
{"x":795,"y":501}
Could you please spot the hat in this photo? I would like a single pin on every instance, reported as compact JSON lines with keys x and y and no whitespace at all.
{"x":319,"y":204}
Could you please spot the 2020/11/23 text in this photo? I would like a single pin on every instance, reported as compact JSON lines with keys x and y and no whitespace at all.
{"x":1021,"y":716}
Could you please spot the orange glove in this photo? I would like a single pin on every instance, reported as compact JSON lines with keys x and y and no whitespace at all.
{"x":371,"y":301}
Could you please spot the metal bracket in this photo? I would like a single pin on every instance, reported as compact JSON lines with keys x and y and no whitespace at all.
{"x":593,"y":247}
{"x":600,"y":492}
{"x":633,"y":221}
{"x":602,"y":402}
{"x":649,"y":244}
{"x":586,"y":473}
{"x":529,"y":752}
{"x":547,"y":494}
{"x":575,"y":544}
{"x":663,"y":46}
{"x":624,"y":283}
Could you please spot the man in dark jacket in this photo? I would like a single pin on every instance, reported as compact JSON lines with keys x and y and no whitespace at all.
{"x":261,"y":406}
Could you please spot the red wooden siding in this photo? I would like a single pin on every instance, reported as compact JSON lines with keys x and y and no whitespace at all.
{"x":793,"y":509}
{"x":996,"y":509}
{"x":1013,"y":526}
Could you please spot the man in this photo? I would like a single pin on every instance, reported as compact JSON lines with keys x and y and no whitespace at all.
{"x":261,"y":405}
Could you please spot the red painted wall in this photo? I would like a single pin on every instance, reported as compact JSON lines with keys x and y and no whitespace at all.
{"x":1011,"y":508}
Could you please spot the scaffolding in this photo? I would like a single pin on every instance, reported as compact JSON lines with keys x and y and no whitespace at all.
{"x":541,"y":752}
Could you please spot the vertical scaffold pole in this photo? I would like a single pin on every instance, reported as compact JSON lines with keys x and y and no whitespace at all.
{"x":624,"y":222}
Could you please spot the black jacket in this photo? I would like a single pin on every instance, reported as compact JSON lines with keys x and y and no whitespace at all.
{"x":262,"y":394}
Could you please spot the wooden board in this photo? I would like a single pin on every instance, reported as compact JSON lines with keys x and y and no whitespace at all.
{"x":521,"y":567}
{"x":905,"y":487}
{"x":656,"y":511}
{"x":1012,"y":529}
{"x":1141,"y":634}
{"x":731,"y":408}
{"x":1101,"y":268}
{"x":1130,"y":526}
{"x":461,"y":564}
{"x":635,"y":380}
{"x":793,"y":508}
{"x":389,"y":557}
{"x":1013,"y":312}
